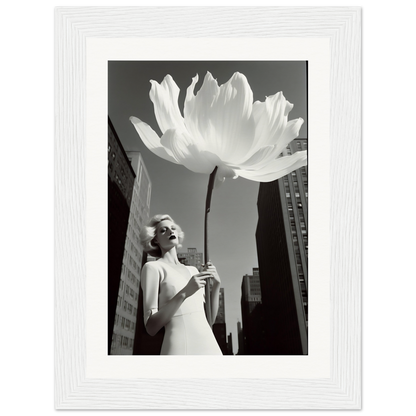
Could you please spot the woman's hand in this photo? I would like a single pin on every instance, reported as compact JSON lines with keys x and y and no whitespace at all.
{"x":196,"y":282}
{"x":210,"y":268}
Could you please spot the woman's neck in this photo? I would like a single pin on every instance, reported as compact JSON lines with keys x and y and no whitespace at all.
{"x":170,"y":256}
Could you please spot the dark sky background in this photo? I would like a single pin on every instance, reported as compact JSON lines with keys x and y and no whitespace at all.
{"x":181,"y":193}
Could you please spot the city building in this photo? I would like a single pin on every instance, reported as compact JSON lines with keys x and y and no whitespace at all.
{"x":192,"y":258}
{"x":230,"y":344}
{"x":250,"y":291}
{"x":282,"y":249}
{"x":250,"y":299}
{"x":120,"y":190}
{"x":240,"y":339}
{"x":124,"y":329}
{"x":219,"y":327}
{"x":144,"y":344}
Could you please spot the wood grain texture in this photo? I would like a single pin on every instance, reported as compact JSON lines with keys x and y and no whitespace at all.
{"x":343,"y":27}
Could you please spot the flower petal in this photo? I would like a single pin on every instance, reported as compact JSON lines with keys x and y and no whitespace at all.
{"x":268,"y":153}
{"x":186,"y":152}
{"x":276,"y":169}
{"x":165,"y":99}
{"x":259,"y":159}
{"x":222,"y":116}
{"x":291,"y":132}
{"x":270,"y":117}
{"x":197,"y":109}
{"x":222,"y":173}
{"x":225,"y":171}
{"x":151,"y":139}
{"x":231,"y":116}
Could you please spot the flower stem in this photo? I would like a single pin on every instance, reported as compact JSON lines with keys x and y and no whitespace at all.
{"x":206,"y":255}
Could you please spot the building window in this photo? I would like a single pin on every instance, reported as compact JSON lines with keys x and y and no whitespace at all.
{"x":148,"y":197}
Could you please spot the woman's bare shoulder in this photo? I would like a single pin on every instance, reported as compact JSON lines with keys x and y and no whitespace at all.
{"x":151,"y":266}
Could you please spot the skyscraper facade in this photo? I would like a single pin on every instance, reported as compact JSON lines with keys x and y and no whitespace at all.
{"x":125,"y":321}
{"x":192,"y":258}
{"x":219,"y":327}
{"x":282,"y":248}
{"x":120,"y":190}
{"x":250,"y":291}
{"x":230,"y":344}
{"x":250,"y":299}
{"x":240,"y":336}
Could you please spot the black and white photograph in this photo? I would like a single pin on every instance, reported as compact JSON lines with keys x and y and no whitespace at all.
{"x":227,"y":186}
{"x":207,"y":208}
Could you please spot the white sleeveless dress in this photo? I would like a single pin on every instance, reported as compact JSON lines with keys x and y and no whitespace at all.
{"x":188,"y":332}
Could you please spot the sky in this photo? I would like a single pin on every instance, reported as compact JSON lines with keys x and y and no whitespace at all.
{"x":180,"y":192}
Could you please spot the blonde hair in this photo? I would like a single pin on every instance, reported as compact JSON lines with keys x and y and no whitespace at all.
{"x":148,"y":234}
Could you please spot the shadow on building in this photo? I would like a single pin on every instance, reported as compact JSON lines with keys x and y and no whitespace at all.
{"x":120,"y":188}
{"x":282,"y":249}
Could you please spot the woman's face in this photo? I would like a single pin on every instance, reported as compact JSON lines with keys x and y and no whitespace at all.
{"x":167,"y":234}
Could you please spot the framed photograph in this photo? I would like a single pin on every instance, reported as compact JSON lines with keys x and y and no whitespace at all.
{"x":105,"y":59}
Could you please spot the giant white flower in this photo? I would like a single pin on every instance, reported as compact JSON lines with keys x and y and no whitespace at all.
{"x":222,"y":127}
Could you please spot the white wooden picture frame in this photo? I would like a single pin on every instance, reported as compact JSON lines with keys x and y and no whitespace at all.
{"x":331,"y":379}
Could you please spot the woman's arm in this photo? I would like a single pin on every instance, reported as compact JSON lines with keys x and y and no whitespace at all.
{"x":156,"y":318}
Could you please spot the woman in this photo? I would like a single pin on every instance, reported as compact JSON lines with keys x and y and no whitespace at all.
{"x":173,"y":294}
